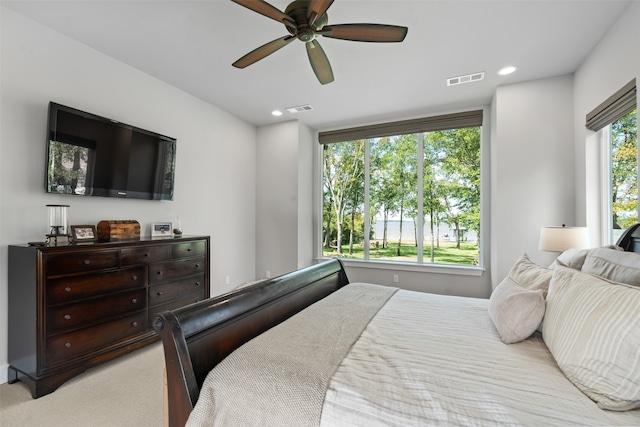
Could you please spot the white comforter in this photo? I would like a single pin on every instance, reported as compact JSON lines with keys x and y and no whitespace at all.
{"x":437,"y":360}
{"x":423,"y":360}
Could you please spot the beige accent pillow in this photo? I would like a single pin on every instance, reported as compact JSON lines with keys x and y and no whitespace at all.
{"x":516,"y":311}
{"x":530,"y":275}
{"x":573,"y":258}
{"x":592,"y":329}
{"x":617,"y":266}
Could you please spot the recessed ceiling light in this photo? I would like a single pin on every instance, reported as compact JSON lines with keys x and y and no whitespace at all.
{"x":276,"y":113}
{"x":507,"y":70}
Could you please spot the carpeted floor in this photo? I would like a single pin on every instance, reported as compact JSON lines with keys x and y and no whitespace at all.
{"x":126,"y":391}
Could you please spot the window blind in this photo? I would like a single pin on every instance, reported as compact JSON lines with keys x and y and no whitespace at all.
{"x":425,"y":124}
{"x":616,"y":106}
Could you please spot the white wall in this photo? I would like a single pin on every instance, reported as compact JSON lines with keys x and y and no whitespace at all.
{"x":215,"y":169}
{"x":611,"y":65}
{"x":284,"y":198}
{"x":306,"y":144}
{"x":532,"y":173}
{"x":277,"y":199}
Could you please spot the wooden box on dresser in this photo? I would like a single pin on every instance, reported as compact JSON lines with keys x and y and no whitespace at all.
{"x":72,"y":307}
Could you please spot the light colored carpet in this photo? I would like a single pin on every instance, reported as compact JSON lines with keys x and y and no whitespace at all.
{"x":126,"y":391}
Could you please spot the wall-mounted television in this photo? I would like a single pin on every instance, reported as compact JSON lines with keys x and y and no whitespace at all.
{"x":89,"y":155}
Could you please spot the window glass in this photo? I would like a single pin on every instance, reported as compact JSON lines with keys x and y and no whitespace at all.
{"x":623,"y":174}
{"x":405,"y":198}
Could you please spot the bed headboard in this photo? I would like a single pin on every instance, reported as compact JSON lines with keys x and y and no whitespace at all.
{"x":630,"y":239}
{"x":197,"y":337}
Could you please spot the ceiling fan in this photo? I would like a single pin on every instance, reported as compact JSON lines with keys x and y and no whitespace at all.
{"x":305,"y":20}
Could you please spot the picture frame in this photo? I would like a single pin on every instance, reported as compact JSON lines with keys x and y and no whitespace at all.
{"x":161,"y":229}
{"x":83,"y":233}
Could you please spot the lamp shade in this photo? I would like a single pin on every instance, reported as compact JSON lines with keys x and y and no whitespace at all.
{"x":559,"y":239}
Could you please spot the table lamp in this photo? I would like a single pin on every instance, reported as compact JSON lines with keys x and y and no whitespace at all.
{"x":559,"y":239}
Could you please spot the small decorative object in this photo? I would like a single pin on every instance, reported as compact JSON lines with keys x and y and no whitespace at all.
{"x":58,"y":226}
{"x":177,"y":230}
{"x":161,"y":229}
{"x":83,"y":233}
{"x":110,"y":230}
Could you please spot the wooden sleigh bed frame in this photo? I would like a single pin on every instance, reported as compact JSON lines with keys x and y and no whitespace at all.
{"x":198,"y":337}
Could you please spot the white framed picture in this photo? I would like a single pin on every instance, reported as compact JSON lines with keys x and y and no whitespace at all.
{"x":161,"y":229}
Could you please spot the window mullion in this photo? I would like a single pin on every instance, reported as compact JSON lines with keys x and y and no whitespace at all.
{"x":420,"y":225}
{"x":366,"y":209}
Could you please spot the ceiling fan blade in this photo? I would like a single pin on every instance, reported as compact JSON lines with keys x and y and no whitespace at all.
{"x":264,"y":8}
{"x":319,"y":62}
{"x":317,"y":8}
{"x":263,"y":51}
{"x":378,"y":33}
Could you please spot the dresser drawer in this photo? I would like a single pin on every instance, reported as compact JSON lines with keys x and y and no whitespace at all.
{"x":94,"y":310}
{"x":64,"y":289}
{"x":161,"y":294}
{"x":168,"y":271}
{"x":145,"y":255}
{"x":65,"y":346}
{"x":189,"y":249}
{"x":57,"y":264}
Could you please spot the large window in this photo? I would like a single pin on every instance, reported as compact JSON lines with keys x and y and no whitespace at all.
{"x":404,"y":197}
{"x":621,"y":189}
{"x":616,"y":119}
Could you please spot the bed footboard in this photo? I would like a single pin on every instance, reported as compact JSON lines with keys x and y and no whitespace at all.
{"x":199,"y":336}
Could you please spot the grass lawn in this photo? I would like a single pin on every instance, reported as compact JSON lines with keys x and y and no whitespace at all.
{"x":445,"y":254}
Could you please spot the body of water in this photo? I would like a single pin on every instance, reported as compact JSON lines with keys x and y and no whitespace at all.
{"x":408,"y":233}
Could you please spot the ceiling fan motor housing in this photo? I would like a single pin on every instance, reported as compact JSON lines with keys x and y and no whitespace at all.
{"x":298,"y":11}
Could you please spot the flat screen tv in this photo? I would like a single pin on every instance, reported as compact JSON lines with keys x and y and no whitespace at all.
{"x":89,"y":155}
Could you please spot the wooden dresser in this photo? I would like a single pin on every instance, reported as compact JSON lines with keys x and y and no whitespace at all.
{"x":72,"y":307}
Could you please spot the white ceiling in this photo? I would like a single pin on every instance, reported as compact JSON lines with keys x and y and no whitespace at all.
{"x":191,"y":45}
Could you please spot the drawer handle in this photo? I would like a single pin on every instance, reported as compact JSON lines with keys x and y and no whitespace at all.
{"x":189,"y":249}
{"x":67,"y":345}
{"x":159,"y":273}
{"x":197,"y":265}
{"x":197,"y":283}
{"x":86,"y":262}
{"x":134,"y":277}
{"x":159,"y":294}
{"x":134,"y":324}
{"x":135,"y":301}
{"x":67,"y":289}
{"x":146,"y":255}
{"x":67,"y":317}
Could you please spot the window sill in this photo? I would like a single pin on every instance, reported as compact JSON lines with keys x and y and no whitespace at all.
{"x":460,"y":270}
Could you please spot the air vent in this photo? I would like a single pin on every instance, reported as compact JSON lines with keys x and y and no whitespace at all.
{"x":468,"y":78}
{"x":299,"y":109}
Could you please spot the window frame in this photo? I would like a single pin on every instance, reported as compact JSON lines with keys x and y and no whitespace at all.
{"x":457,"y":269}
{"x":599,"y":120}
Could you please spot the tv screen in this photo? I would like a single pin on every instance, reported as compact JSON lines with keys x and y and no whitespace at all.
{"x":89,"y":155}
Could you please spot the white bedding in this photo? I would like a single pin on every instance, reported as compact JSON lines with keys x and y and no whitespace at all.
{"x":427,"y":359}
{"x":437,"y":360}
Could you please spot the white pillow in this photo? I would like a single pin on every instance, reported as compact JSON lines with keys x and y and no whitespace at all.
{"x":515,"y":311}
{"x":574,"y":258}
{"x":617,"y":266}
{"x":530,"y":275}
{"x":592,"y":329}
